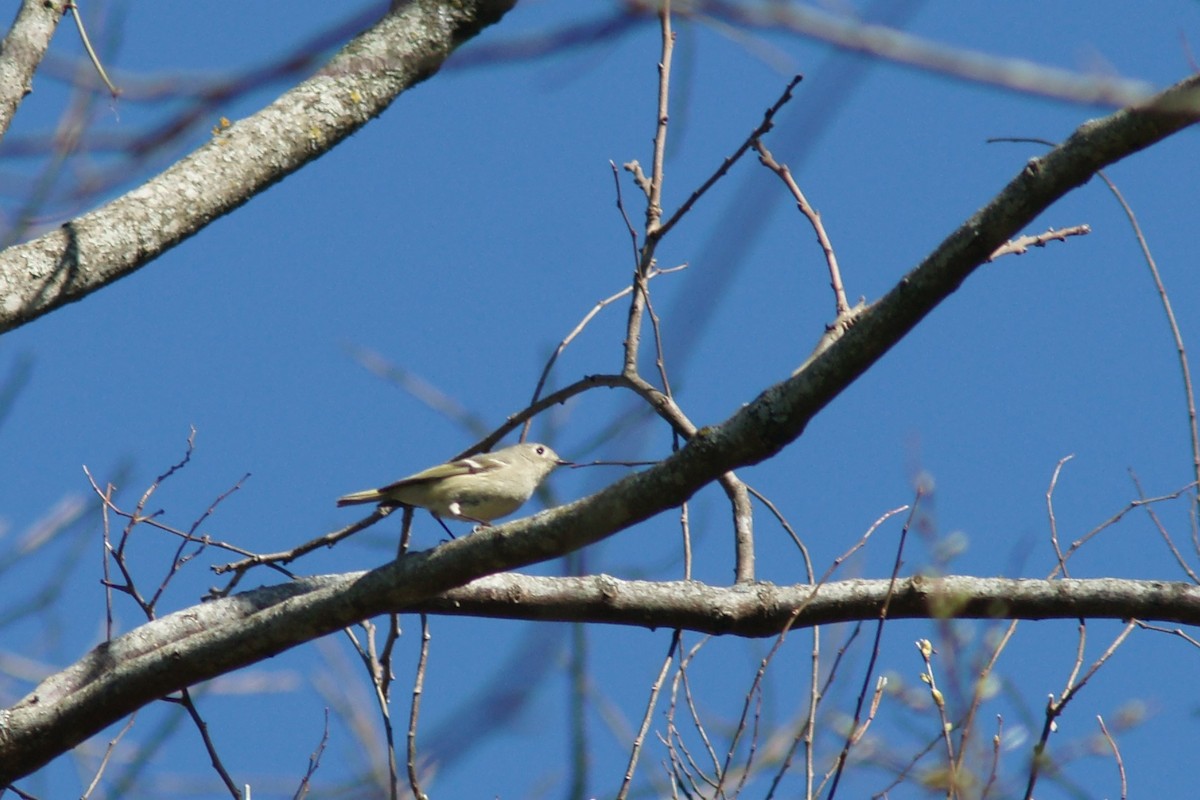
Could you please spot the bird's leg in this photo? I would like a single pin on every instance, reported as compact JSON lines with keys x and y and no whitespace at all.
{"x":441,"y":522}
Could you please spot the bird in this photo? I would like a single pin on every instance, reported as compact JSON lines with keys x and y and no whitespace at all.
{"x":479,"y":488}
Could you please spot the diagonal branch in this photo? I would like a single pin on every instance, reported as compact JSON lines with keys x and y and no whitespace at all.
{"x":404,"y":48}
{"x":22,"y":51}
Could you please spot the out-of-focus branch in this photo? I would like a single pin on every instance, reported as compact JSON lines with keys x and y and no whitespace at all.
{"x":877,"y":41}
{"x":402,"y":49}
{"x":844,"y":31}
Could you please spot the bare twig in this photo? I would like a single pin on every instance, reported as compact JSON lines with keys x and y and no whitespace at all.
{"x":314,"y":762}
{"x":854,"y":731}
{"x":925,"y":647}
{"x":579,"y":681}
{"x":1172,"y":631}
{"x":685,"y":529}
{"x":636,"y":750}
{"x":994,"y":768}
{"x":287,"y":556}
{"x":637,"y":171}
{"x":577,"y":464}
{"x":1180,"y":349}
{"x":87,"y":46}
{"x":654,"y":195}
{"x":108,"y":751}
{"x":1117,"y":517}
{"x":1116,"y":755}
{"x":767,"y":123}
{"x":380,"y":676}
{"x":903,"y":773}
{"x":1020,"y":246}
{"x":104,"y":561}
{"x":414,"y":780}
{"x":1062,"y":564}
{"x":185,"y":699}
{"x":807,"y":732}
{"x":587,"y":318}
{"x":978,"y":694}
{"x":841,"y":305}
{"x":1162,"y":531}
{"x":179,"y":559}
{"x":1054,"y":708}
{"x":682,"y":678}
{"x":791,"y":532}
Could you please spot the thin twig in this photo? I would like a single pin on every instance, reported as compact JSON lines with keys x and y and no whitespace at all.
{"x":902,"y":774}
{"x":1115,"y":518}
{"x":841,"y":305}
{"x":577,"y":688}
{"x":854,"y":732}
{"x":1020,"y":246}
{"x":87,"y":45}
{"x":808,"y":732}
{"x":654,"y":198}
{"x":185,"y":699}
{"x":1162,"y":531}
{"x":681,"y":677}
{"x":1117,"y":755}
{"x":314,"y":761}
{"x":787,"y":527}
{"x":977,"y":696}
{"x":287,"y":556}
{"x":1062,"y":564}
{"x":925,"y":647}
{"x":768,"y":121}
{"x":636,"y":750}
{"x":1054,"y":708}
{"x":578,"y":329}
{"x":633,"y":234}
{"x":1171,"y":631}
{"x":105,"y":507}
{"x":1176,"y":334}
{"x":994,"y":769}
{"x":415,"y":712}
{"x":653,"y":187}
{"x":108,"y":751}
{"x":179,"y":559}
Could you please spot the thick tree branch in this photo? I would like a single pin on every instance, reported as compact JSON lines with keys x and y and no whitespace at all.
{"x":22,"y":51}
{"x":215,"y":638}
{"x":404,"y":48}
{"x":212,"y":638}
{"x":764,"y":609}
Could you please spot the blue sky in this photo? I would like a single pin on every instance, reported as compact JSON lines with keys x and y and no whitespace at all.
{"x":464,"y":233}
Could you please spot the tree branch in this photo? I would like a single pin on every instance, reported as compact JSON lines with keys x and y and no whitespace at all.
{"x":212,"y":638}
{"x":404,"y":48}
{"x":764,"y":609}
{"x":22,"y":51}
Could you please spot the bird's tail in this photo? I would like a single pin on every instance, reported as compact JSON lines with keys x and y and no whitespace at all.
{"x":369,"y":496}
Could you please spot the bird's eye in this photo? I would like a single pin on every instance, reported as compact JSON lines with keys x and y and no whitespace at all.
{"x":541,"y":451}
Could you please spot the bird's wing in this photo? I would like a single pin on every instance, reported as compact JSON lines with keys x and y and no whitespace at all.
{"x":474,"y":465}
